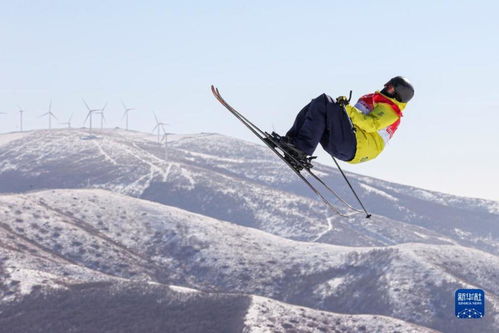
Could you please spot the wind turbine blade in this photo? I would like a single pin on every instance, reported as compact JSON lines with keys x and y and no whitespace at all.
{"x":88,"y":115}
{"x":43,"y":115}
{"x":50,"y":107}
{"x":105,"y":105}
{"x":86,"y":104}
{"x":155,"y":117}
{"x":71,"y":117}
{"x":124,"y":106}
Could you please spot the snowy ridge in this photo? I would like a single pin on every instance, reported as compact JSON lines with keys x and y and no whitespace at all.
{"x":135,"y":239}
{"x":266,"y":315}
{"x":225,"y":223}
{"x":240,"y":182}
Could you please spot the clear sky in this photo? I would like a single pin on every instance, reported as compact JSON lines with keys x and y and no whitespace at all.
{"x":269,"y":58}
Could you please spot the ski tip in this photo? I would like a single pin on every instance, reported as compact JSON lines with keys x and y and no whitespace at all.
{"x":214,"y":89}
{"x":215,"y":92}
{"x":368,"y":216}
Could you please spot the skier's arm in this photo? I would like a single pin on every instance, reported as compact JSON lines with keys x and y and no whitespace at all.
{"x":380,"y":117}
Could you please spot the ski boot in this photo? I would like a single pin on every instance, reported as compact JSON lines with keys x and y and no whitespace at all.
{"x":294,"y":156}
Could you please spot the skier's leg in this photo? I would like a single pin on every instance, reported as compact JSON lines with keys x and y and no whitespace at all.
{"x":310,"y":125}
{"x":300,"y":119}
{"x":339,"y":137}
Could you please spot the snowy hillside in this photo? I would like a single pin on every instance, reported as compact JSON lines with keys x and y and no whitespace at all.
{"x":60,"y":237}
{"x":228,"y":220}
{"x":243,"y":183}
{"x":137,"y":307}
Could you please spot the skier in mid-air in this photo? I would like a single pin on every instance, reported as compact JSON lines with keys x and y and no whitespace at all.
{"x":350,"y":133}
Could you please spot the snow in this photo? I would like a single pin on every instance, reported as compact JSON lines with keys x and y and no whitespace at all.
{"x":379,"y":192}
{"x":28,"y":278}
{"x":122,"y":230}
{"x":493,"y":207}
{"x":461,"y":233}
{"x":183,"y":290}
{"x":104,"y":235}
{"x":329,"y":287}
{"x":420,"y":235}
{"x":106,"y":155}
{"x":329,"y":228}
{"x":334,"y":283}
{"x":6,"y":139}
{"x":214,"y":157}
{"x":265,"y":315}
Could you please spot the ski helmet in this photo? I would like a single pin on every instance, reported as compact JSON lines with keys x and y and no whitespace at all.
{"x":404,"y":90}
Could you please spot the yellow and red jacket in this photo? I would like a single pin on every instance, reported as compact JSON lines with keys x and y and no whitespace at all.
{"x":375,"y":118}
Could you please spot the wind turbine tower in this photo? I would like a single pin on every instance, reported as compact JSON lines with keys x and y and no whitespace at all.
{"x":125,"y":114}
{"x":21,"y":111}
{"x":160,"y":127}
{"x":164,"y":139}
{"x":50,"y":115}
{"x":102,"y":118}
{"x":68,"y":123}
{"x":89,"y":114}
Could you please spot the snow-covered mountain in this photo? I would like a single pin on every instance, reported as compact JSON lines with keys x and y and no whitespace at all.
{"x":241,"y":182}
{"x":226,"y":218}
{"x":60,"y":237}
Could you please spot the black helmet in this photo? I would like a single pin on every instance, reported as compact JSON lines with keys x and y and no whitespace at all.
{"x":404,"y":90}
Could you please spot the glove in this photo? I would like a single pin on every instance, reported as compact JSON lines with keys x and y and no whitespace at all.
{"x":342,"y":100}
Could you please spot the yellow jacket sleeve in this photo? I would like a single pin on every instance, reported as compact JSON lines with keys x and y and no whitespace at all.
{"x":380,"y":117}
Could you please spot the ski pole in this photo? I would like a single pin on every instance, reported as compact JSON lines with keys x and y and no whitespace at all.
{"x":351,"y":188}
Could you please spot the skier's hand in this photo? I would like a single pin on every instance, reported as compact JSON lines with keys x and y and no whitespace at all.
{"x":342,"y":100}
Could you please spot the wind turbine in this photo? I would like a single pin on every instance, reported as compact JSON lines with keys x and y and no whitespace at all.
{"x":102,"y":118}
{"x":159,"y":126}
{"x":50,"y":115}
{"x":21,"y":111}
{"x":89,"y":114}
{"x":68,"y":123}
{"x":164,"y":139}
{"x":125,"y":114}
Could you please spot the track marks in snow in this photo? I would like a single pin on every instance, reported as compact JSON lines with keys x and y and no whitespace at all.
{"x":106,"y":155}
{"x":167,"y":172}
{"x":156,"y":166}
{"x":328,"y":229}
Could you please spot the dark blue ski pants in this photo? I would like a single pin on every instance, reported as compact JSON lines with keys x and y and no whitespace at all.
{"x":324,"y":121}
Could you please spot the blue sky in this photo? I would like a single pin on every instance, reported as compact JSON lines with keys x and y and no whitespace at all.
{"x":269,"y":58}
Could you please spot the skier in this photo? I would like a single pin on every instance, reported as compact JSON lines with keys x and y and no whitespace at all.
{"x":353,"y":134}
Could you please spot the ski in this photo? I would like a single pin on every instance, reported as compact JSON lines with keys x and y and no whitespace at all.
{"x":291,"y":162}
